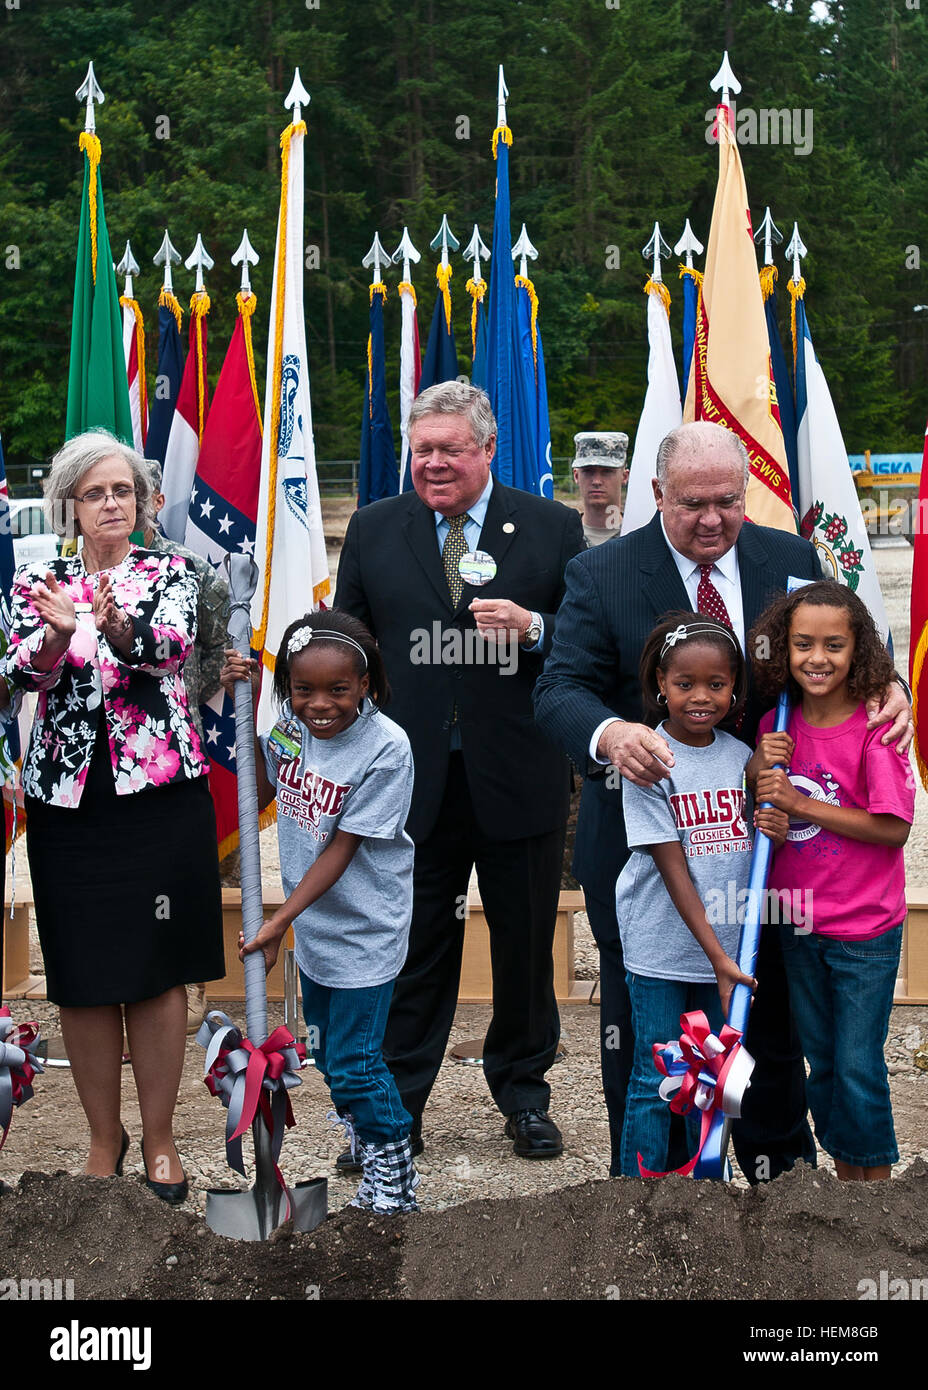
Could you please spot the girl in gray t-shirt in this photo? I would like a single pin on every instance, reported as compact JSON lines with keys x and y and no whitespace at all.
{"x":341,"y":773}
{"x":677,"y":897}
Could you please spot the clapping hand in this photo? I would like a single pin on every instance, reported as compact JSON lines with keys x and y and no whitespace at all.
{"x":109,"y":619}
{"x":55,"y":607}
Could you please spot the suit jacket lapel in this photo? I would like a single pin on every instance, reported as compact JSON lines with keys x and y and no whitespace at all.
{"x":662,"y":585}
{"x":753,"y":565}
{"x":419,"y":530}
{"x":502,"y":509}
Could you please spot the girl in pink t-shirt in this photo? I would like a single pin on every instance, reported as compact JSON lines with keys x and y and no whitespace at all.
{"x":850,"y":800}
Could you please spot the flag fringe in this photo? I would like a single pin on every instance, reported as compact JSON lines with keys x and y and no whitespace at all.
{"x":918,"y":663}
{"x":370,"y":377}
{"x":247,"y":303}
{"x":443,"y":274}
{"x":525,"y":283}
{"x":167,"y":301}
{"x":476,"y":289}
{"x":659,"y":288}
{"x":768,"y":278}
{"x":502,"y":132}
{"x":797,"y":289}
{"x":404,"y":287}
{"x":91,"y":146}
{"x":133,"y":304}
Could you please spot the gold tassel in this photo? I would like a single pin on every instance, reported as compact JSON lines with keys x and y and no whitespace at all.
{"x":246,"y":307}
{"x":502,"y":132}
{"x":443,"y":274}
{"x":378,"y":287}
{"x":370,"y":378}
{"x":658,"y":287}
{"x":526,"y":284}
{"x":91,"y":146}
{"x":694,"y":274}
{"x":167,"y":299}
{"x":918,"y":662}
{"x":405,"y":286}
{"x":797,"y":290}
{"x":133,"y":304}
{"x":199,"y":307}
{"x":768,"y":279}
{"x":476,"y":289}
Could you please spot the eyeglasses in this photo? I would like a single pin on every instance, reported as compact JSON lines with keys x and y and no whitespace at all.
{"x":98,"y":495}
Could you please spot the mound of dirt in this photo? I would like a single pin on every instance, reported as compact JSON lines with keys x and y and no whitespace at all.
{"x":805,"y":1236}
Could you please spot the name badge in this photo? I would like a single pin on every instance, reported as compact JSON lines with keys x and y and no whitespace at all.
{"x":477,"y":568}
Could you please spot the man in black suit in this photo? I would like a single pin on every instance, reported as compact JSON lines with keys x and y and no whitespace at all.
{"x":589,"y":700}
{"x":490,"y":789}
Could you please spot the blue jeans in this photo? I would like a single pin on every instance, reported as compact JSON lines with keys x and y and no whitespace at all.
{"x":346,"y":1028}
{"x":841,"y":994}
{"x":656,"y":1009}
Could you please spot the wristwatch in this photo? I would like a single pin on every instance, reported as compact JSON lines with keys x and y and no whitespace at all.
{"x":532,"y":635}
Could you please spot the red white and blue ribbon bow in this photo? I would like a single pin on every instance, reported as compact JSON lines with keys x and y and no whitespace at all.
{"x":247,"y":1078}
{"x":705,"y":1071}
{"x":18,"y":1065}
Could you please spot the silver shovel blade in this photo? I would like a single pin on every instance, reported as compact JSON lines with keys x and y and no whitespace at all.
{"x":250,"y":1216}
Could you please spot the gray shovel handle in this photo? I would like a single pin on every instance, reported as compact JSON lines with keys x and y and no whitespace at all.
{"x":243,"y":580}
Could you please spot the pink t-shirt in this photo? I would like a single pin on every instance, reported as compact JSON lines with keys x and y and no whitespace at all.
{"x":853,"y":890}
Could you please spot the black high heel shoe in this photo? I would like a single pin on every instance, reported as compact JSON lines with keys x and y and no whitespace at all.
{"x":171,"y":1192}
{"x":123,"y":1150}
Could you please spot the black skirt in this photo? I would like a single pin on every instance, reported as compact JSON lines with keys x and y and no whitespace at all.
{"x":126,"y":888}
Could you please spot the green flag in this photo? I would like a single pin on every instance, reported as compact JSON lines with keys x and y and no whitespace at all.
{"x":98,"y":390}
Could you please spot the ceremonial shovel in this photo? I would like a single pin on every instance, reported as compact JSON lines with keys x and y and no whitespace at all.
{"x":255,"y":1214}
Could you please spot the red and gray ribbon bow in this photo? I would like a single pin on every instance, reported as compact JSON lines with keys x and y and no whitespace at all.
{"x":18,"y":1065}
{"x":705,"y":1071}
{"x":247,"y":1078}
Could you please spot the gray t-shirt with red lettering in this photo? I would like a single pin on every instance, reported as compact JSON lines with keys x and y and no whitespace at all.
{"x":357,"y":933}
{"x":704,"y":804}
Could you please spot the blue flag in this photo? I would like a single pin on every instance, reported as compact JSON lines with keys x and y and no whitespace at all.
{"x":167,"y":382}
{"x":478,"y":372}
{"x":690,"y":297}
{"x":536,"y":387}
{"x":784,"y":394}
{"x":379,"y":474}
{"x":515,"y":463}
{"x":441,"y":355}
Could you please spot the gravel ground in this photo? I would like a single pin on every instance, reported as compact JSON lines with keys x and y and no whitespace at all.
{"x":467,"y":1155}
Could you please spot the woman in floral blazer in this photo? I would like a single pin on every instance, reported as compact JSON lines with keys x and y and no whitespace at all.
{"x":120,"y":831}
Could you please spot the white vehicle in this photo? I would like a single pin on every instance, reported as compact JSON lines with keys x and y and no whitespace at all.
{"x":33,"y":538}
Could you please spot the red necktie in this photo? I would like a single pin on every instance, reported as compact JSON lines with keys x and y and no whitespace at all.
{"x":708,"y":599}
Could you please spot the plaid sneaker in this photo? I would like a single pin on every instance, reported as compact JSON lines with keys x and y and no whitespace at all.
{"x":390,"y":1179}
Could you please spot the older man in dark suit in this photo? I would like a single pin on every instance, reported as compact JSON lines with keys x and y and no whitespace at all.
{"x":698,"y":552}
{"x":463,"y":637}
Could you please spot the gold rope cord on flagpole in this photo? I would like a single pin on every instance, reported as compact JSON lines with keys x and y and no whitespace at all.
{"x":659,"y":288}
{"x":443,"y":274}
{"x":502,"y":132}
{"x":199,"y":307}
{"x":133,"y":304}
{"x":246,"y":307}
{"x":768,"y":278}
{"x":918,"y":663}
{"x":476,"y":289}
{"x":406,"y":286}
{"x":797,"y":289}
{"x":526,"y":284}
{"x":166,"y":300}
{"x":91,"y":146}
{"x":280,"y":280}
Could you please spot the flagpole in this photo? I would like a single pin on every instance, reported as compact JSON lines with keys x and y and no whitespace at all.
{"x":476,"y":286}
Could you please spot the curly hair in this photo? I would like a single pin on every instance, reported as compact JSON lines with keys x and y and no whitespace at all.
{"x":871,"y":667}
{"x":333,"y":620}
{"x":700,"y":631}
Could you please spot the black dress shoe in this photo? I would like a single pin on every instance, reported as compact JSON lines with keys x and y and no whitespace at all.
{"x":535,"y":1135}
{"x":171,"y":1192}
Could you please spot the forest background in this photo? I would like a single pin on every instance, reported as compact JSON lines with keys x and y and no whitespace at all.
{"x":608,"y":107}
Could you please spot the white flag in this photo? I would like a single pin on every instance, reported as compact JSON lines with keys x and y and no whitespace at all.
{"x":829,"y":511}
{"x":410,"y":367}
{"x":660,"y":414}
{"x":289,"y":539}
{"x":138,"y":404}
